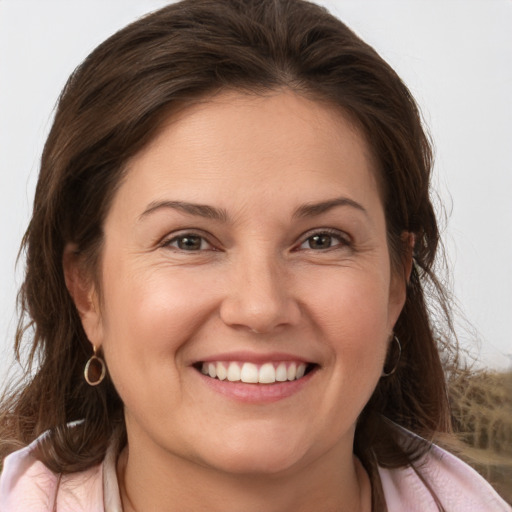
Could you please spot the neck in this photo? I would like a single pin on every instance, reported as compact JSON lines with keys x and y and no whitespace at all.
{"x":149,"y":483}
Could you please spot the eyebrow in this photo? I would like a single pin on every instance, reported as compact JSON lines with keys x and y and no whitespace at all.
{"x":200,"y":210}
{"x":313,"y":209}
{"x":210,"y":212}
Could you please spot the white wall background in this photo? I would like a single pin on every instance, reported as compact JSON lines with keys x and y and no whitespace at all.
{"x":455,"y":55}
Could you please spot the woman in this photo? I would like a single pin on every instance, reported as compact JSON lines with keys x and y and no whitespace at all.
{"x":226,"y":264}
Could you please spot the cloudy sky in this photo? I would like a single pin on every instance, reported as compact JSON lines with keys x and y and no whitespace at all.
{"x":454,"y":55}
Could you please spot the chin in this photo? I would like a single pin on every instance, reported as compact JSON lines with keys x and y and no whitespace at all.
{"x":260,"y":464}
{"x":257,"y":455}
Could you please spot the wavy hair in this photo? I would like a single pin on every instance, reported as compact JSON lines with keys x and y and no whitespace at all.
{"x":113,"y":105}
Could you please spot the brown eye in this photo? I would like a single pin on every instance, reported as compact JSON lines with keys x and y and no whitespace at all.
{"x":322,"y":241}
{"x":189,"y":242}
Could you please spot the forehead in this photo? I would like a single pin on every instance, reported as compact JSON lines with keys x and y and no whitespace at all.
{"x":280,"y":143}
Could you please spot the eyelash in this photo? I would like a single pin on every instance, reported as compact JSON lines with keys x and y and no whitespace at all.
{"x":175,"y":240}
{"x":343,"y":239}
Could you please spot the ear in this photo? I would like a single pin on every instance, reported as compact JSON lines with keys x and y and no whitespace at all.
{"x":398,"y":287}
{"x":409,"y":240}
{"x":81,"y":287}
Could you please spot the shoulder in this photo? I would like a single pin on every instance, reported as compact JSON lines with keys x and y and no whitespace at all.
{"x":26,"y":484}
{"x":458,"y":487}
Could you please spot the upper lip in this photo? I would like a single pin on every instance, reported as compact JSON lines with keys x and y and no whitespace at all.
{"x":253,"y":357}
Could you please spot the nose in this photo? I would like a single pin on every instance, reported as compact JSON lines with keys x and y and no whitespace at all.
{"x":259,"y":296}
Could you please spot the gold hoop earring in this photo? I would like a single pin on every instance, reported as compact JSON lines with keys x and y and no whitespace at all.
{"x":95,"y":366}
{"x":393,"y":370}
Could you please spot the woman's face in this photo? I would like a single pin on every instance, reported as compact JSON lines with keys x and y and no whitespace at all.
{"x":248,"y":242}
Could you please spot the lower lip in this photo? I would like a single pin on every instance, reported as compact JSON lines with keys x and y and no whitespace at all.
{"x":257,"y":393}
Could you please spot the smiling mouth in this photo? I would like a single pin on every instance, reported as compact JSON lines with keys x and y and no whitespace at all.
{"x":250,"y":373}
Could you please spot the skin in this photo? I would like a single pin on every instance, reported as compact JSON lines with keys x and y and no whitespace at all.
{"x":255,"y":282}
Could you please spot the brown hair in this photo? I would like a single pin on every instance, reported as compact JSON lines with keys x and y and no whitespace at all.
{"x":112,"y":106}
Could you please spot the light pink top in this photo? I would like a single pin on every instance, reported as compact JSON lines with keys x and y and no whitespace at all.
{"x":27,"y":485}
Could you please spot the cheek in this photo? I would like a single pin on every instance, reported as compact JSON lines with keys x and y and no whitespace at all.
{"x":350,"y":309}
{"x":349,"y":299}
{"x":150,"y":313}
{"x":148,"y":321}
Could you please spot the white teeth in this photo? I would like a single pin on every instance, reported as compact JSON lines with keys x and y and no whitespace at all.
{"x":233,"y":372}
{"x":250,"y":373}
{"x":281,"y":373}
{"x":291,"y":373}
{"x":222,"y":373}
{"x":267,"y":374}
{"x":301,"y":370}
